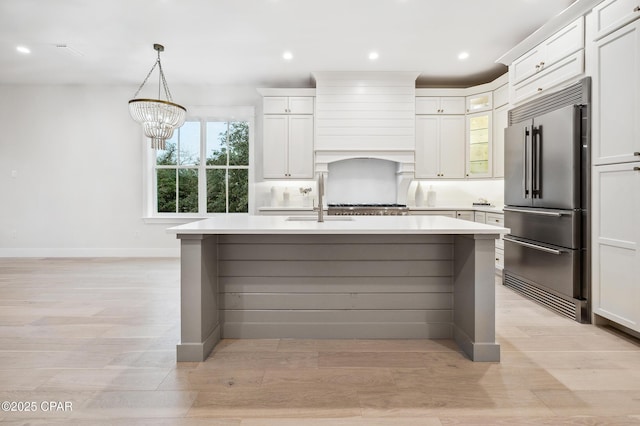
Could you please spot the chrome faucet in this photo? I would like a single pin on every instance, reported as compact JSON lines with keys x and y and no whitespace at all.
{"x":320,"y":195}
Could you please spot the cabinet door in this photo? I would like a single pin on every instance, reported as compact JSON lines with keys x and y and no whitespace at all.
{"x":552,"y":77}
{"x":274,"y":146}
{"x":610,"y":15}
{"x":479,"y":156}
{"x":616,"y":243}
{"x":500,"y":123}
{"x":275,"y":104}
{"x":480,"y":102}
{"x":300,"y":146}
{"x":568,"y":40}
{"x":440,"y":105}
{"x":452,"y":105}
{"x":452,"y":146}
{"x":465,"y":215}
{"x":501,"y":96}
{"x":526,"y":65}
{"x":300,"y":105}
{"x":480,"y":217}
{"x":616,"y":97}
{"x":427,"y":146}
{"x":427,"y":105}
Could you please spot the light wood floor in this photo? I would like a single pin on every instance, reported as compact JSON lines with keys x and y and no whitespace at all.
{"x":101,"y":334}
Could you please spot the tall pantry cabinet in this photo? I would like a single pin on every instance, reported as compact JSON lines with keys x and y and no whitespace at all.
{"x":613,"y":31}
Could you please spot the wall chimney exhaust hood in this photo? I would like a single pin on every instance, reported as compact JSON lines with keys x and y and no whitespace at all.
{"x":366,"y":115}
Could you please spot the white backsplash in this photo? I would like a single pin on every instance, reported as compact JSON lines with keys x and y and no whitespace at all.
{"x":460,"y":193}
{"x":448,"y":193}
{"x":362,"y":180}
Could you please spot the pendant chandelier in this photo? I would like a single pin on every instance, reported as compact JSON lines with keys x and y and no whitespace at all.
{"x":159,"y":118}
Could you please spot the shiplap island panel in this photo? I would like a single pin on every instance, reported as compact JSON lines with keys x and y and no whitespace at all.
{"x":248,"y":276}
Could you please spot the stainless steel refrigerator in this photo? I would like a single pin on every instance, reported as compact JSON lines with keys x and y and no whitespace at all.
{"x":547,"y":162}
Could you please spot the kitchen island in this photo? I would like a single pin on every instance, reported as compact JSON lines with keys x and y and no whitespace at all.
{"x":245,"y":276}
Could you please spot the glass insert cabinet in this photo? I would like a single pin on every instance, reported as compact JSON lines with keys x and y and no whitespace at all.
{"x":479,"y":145}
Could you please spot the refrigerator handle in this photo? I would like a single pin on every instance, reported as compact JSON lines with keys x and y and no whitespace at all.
{"x":525,"y":157}
{"x":535,"y":212}
{"x":533,"y":246}
{"x":536,"y":142}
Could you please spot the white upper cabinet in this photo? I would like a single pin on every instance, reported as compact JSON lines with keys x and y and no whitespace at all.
{"x":440,"y":146}
{"x":479,"y":158}
{"x":557,"y":47}
{"x":610,"y":15}
{"x":440,"y":105}
{"x":501,"y":96}
{"x":288,"y":104}
{"x":287,"y":146}
{"x":551,"y":78}
{"x":616,"y":97}
{"x":479,"y":102}
{"x":557,"y":60}
{"x":500,"y":122}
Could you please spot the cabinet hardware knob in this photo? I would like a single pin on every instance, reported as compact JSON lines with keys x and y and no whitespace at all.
{"x":637,"y":169}
{"x":541,"y":64}
{"x":539,"y":89}
{"x":636,"y":153}
{"x":636,"y":9}
{"x":537,"y":67}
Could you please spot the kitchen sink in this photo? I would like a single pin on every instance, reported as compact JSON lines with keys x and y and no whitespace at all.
{"x":315,"y":218}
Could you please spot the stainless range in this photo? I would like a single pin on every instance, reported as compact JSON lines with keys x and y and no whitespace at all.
{"x":343,"y":209}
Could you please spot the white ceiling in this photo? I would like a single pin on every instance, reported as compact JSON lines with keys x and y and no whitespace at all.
{"x":240,"y":42}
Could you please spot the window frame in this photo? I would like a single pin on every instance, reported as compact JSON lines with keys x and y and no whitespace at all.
{"x":203,"y":115}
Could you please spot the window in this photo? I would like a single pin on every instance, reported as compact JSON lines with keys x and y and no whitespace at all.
{"x":204,"y":168}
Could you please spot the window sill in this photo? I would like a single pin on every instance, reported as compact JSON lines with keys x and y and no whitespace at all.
{"x":181,"y":219}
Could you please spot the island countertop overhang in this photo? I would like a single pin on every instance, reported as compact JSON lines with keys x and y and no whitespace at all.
{"x":254,"y":224}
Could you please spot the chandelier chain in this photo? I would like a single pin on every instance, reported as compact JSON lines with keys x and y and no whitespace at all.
{"x":167,"y":93}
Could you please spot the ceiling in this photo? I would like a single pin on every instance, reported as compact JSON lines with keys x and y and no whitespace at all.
{"x":241,"y":42}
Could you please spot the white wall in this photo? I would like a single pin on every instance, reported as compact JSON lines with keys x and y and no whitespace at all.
{"x":71,"y":170}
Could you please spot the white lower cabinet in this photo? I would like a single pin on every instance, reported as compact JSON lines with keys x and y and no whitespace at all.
{"x":480,"y":217}
{"x":465,"y":215}
{"x":448,"y":213}
{"x":616,"y":243}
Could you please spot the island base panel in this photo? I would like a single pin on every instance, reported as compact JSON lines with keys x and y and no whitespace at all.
{"x":336,"y":286}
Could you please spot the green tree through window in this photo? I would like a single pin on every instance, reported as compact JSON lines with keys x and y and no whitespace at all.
{"x":225,"y":171}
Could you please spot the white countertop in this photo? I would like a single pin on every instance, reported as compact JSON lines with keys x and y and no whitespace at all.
{"x":255,"y":224}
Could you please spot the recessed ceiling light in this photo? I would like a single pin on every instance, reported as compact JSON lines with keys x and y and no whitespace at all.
{"x":373,"y":56}
{"x":463,"y":55}
{"x":287,"y":55}
{"x":23,"y":49}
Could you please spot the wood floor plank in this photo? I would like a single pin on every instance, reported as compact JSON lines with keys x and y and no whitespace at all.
{"x":102,"y":334}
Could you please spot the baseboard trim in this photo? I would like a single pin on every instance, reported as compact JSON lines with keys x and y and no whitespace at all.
{"x":90,"y":252}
